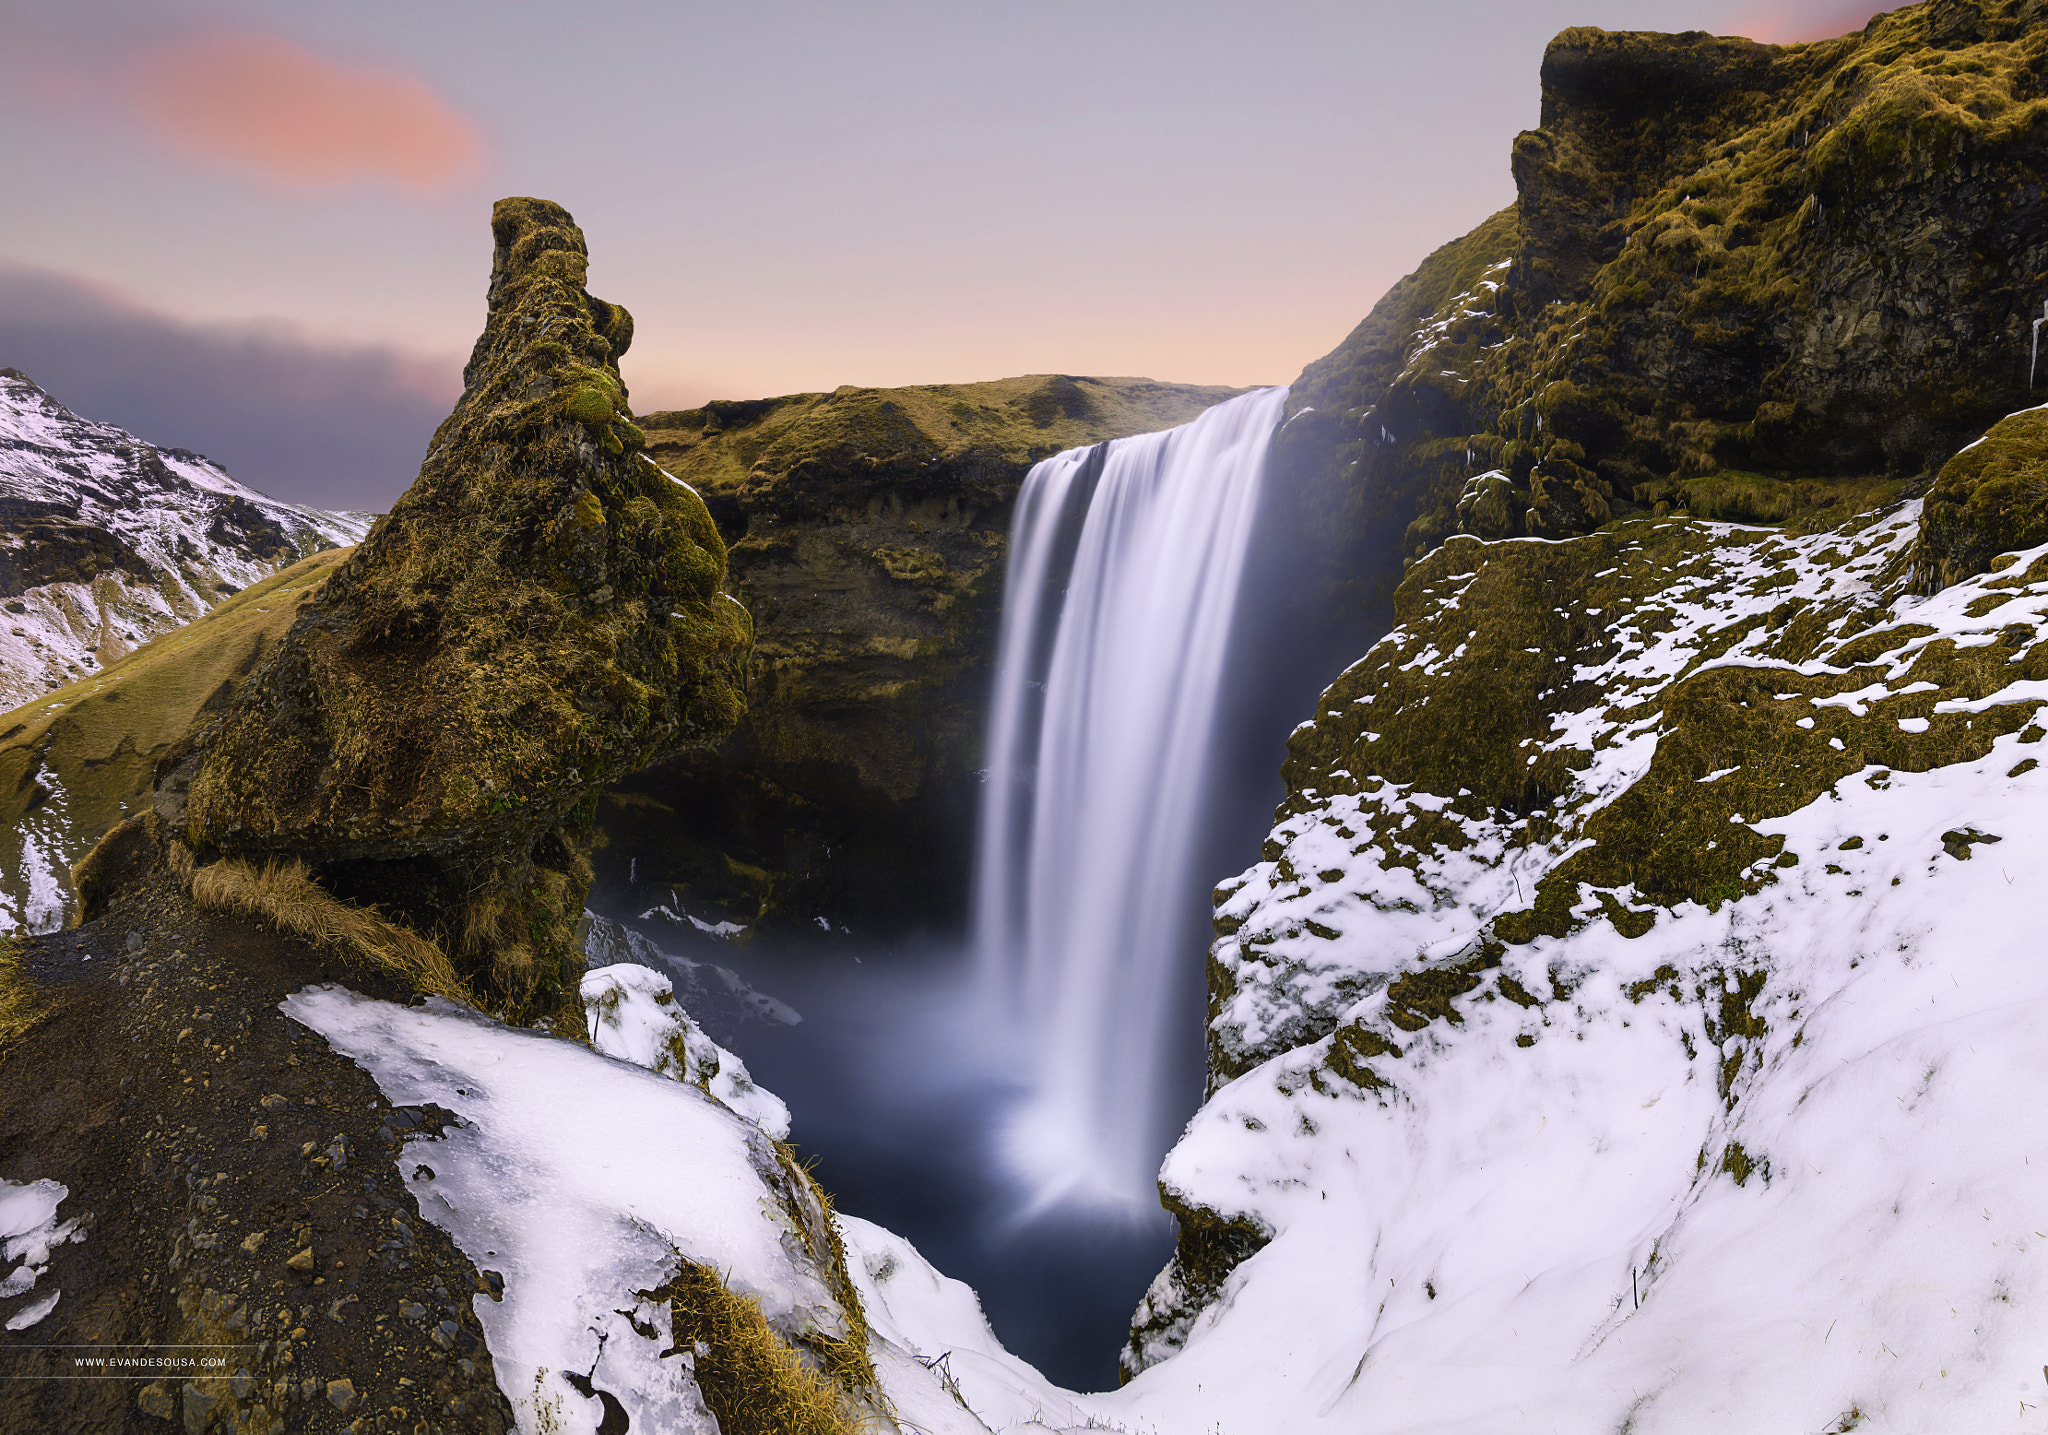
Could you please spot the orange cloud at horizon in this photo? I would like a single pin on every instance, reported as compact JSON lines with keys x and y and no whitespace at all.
{"x":1795,"y":23}
{"x":268,"y":105}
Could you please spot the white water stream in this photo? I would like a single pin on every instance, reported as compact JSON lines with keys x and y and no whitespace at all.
{"x":1125,"y":566}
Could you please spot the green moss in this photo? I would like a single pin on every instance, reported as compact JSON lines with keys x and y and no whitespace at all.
{"x":1987,"y":500}
{"x":588,"y":404}
{"x":1353,"y":1046}
{"x":1739,"y":1164}
{"x":1420,"y":997}
{"x":537,"y":615}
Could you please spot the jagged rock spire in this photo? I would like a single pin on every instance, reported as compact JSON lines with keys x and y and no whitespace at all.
{"x":542,"y":611}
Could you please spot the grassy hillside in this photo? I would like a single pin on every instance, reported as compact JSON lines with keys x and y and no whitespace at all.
{"x":76,"y":761}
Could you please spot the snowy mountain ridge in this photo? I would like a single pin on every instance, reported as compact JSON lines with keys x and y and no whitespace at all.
{"x":107,"y":541}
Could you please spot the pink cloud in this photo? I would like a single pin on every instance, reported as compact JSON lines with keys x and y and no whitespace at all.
{"x":266,"y":104}
{"x":1791,"y":22}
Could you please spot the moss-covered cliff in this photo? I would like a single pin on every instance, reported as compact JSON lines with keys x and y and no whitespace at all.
{"x":866,"y":531}
{"x":1737,"y":277}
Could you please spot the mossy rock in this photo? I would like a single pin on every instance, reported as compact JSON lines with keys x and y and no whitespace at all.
{"x":1989,"y":499}
{"x":1767,"y":283}
{"x":543,"y":611}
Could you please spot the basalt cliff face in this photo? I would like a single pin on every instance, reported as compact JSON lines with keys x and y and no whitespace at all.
{"x":866,"y":530}
{"x":1740,"y":280}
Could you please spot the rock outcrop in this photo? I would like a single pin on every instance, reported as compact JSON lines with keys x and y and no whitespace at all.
{"x":1619,"y":782}
{"x":867,"y":531}
{"x":542,"y":611}
{"x":107,"y":541}
{"x":1740,"y":281}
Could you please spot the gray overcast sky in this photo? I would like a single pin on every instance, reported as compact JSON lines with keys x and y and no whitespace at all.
{"x":789,"y":195}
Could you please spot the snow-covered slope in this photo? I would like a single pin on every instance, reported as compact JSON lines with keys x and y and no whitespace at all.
{"x":1635,"y":1022}
{"x":588,"y":1182}
{"x":107,"y":541}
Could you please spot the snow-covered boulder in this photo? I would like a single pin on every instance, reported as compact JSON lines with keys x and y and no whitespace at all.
{"x":633,"y":1015}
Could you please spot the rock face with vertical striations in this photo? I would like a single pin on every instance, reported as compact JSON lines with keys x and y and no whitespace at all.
{"x":542,"y":611}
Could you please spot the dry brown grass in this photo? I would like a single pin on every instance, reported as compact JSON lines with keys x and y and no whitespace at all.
{"x":285,"y":896}
{"x":849,"y":1360}
{"x":20,"y":1008}
{"x":754,"y":1382}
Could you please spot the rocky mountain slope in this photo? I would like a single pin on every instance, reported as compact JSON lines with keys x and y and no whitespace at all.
{"x":1739,"y":280}
{"x":82,"y":758}
{"x":866,"y":529}
{"x":107,"y":541}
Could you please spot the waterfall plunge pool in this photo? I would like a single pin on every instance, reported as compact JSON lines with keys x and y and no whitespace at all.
{"x":1002,"y":1097}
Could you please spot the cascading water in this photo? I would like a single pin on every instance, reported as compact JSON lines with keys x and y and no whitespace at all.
{"x":1126,"y":561}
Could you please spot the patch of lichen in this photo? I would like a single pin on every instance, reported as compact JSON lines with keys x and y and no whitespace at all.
{"x":541,"y":612}
{"x":1738,"y":271}
{"x":1989,"y":499}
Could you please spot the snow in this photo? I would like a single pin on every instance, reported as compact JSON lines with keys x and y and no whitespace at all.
{"x":177,"y":515}
{"x":1796,"y":1129}
{"x":1766,"y":1165}
{"x":633,"y":1016}
{"x":29,"y":1231}
{"x":943,"y":1367}
{"x":583,"y":1180}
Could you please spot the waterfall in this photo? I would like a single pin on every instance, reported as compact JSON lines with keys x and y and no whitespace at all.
{"x":1126,"y":561}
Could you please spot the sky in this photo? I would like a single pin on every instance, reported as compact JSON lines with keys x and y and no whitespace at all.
{"x":259,"y":228}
